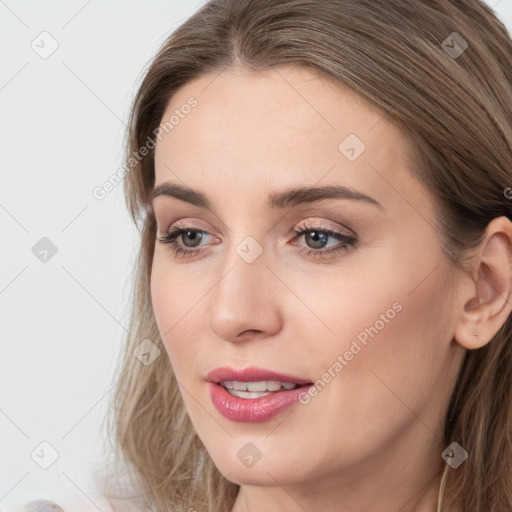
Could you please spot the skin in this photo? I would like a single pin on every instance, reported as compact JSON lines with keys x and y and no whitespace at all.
{"x":372,"y":437}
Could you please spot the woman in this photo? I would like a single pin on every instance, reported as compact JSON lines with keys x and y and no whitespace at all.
{"x":321,"y":317}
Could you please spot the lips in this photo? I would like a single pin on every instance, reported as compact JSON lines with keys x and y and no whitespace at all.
{"x":243,"y":406}
{"x":252,"y":374}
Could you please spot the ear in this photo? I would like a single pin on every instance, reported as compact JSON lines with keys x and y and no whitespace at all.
{"x":487,"y":300}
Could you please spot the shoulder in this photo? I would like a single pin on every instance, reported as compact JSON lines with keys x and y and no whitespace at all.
{"x":39,"y":506}
{"x":51,"y":506}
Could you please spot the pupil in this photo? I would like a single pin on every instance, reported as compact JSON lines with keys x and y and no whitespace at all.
{"x":195,"y":238}
{"x":315,"y":237}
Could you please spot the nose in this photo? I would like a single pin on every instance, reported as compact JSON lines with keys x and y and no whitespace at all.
{"x":244,"y":303}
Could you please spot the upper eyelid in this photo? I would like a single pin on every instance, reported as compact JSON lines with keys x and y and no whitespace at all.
{"x":309,"y":224}
{"x":301,"y":227}
{"x":324,"y":224}
{"x":297,"y":213}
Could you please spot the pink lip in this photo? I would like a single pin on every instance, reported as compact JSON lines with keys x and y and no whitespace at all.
{"x":251,"y":374}
{"x":252,"y":409}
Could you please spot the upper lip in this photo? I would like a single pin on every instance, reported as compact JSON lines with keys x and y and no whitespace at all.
{"x":251,"y":374}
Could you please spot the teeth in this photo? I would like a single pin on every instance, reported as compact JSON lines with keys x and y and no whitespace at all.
{"x":272,"y":385}
{"x":256,"y":387}
{"x":240,"y":386}
{"x":248,"y":394}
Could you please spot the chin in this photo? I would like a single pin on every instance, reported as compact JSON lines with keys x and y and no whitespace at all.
{"x":261,"y":473}
{"x":253,"y":476}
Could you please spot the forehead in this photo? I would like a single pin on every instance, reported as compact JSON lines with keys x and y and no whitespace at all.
{"x":279,"y":128}
{"x":290,"y":106}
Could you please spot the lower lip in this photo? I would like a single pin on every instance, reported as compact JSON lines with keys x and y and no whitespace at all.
{"x":253,"y":410}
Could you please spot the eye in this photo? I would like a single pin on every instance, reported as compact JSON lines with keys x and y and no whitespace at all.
{"x":315,"y":235}
{"x":318,"y":236}
{"x":189,"y":235}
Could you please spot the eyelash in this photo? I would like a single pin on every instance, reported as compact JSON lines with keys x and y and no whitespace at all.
{"x":348,"y":241}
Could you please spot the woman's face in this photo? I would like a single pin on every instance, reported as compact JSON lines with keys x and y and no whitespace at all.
{"x":357,"y":304}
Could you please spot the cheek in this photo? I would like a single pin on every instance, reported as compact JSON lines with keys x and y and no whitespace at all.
{"x":376,"y":321}
{"x":391,"y":344}
{"x":179,"y":305}
{"x":386,"y":311}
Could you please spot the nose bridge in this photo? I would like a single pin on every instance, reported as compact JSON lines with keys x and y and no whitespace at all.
{"x":242,"y":276}
{"x":243,"y":298}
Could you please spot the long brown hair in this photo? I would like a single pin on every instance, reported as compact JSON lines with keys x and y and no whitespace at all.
{"x":454,"y":104}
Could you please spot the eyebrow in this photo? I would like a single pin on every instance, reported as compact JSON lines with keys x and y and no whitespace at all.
{"x":275,"y":200}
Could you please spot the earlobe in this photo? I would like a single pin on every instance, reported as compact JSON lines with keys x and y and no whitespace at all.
{"x":488,"y":301}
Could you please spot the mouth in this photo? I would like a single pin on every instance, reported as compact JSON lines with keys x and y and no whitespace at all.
{"x":254,"y":380}
{"x":254,"y":394}
{"x":257,"y":389}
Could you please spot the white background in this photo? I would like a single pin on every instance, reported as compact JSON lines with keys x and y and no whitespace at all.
{"x":62,"y":322}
